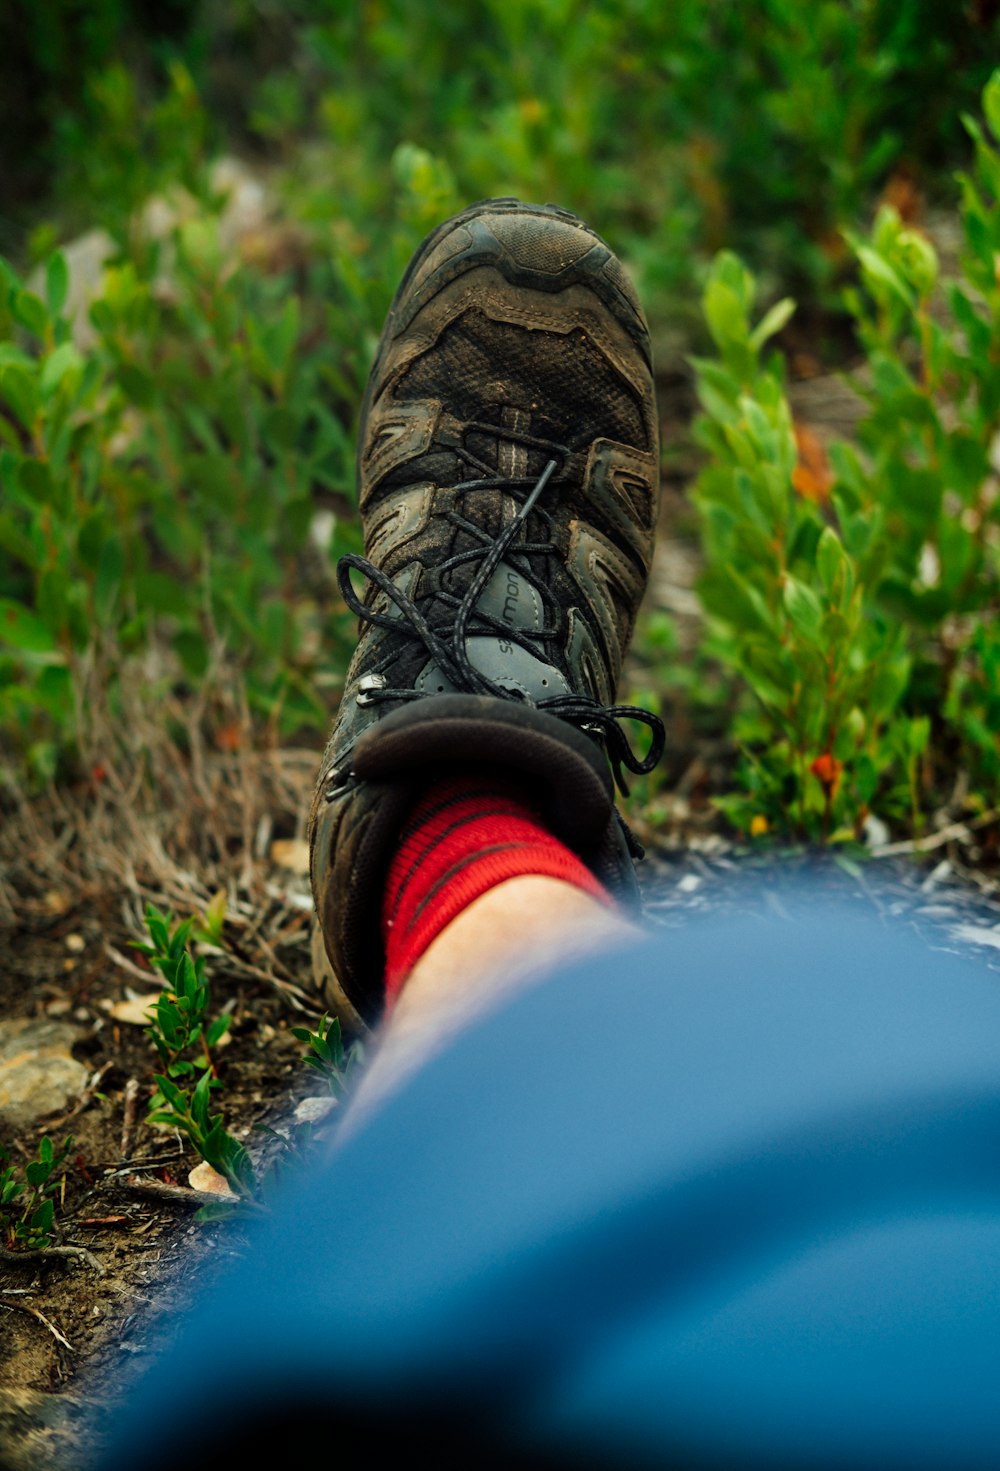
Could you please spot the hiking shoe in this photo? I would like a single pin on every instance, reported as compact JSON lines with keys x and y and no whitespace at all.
{"x":508,"y":487}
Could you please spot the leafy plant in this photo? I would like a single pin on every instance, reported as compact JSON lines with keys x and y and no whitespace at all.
{"x":28,"y":1197}
{"x":327,"y":1054}
{"x":178,"y":1029}
{"x":158,"y":495}
{"x":861,"y":612}
{"x":183,"y":1037}
{"x":181,"y":1010}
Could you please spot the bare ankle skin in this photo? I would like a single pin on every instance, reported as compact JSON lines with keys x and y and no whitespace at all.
{"x":511,"y":936}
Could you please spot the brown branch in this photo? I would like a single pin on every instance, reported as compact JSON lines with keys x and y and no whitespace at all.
{"x":47,"y":1253}
{"x":160,"y":1190}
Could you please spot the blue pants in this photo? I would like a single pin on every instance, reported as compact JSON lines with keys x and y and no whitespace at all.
{"x":729,"y":1199}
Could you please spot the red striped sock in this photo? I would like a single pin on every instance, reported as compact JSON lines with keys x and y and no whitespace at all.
{"x":466,"y":835}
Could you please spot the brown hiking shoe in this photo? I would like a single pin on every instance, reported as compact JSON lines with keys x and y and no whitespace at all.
{"x":508,"y":486}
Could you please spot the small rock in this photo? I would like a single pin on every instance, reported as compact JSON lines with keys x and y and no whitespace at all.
{"x":313,"y":1110}
{"x":38,"y":1076}
{"x":76,"y":944}
{"x":58,"y":1009}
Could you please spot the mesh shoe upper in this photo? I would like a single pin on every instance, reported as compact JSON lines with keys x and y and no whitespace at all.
{"x":508,"y":477}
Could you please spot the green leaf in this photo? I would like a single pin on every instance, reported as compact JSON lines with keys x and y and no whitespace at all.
{"x":179,"y":938}
{"x":831,"y":558}
{"x":991,"y":104}
{"x":218,"y":1030}
{"x":193,"y":652}
{"x":65,"y":361}
{"x":37,"y":1171}
{"x":174,"y":1095}
{"x":772,"y":322}
{"x":20,"y":389}
{"x":220,"y":1210}
{"x":29,"y":310}
{"x":724,"y":314}
{"x":878,"y":269}
{"x":215,"y":916}
{"x":56,"y":282}
{"x":919,"y":261}
{"x":156,"y":924}
{"x":43,"y":1217}
{"x":168,"y":1117}
{"x":21,"y":629}
{"x":803,"y":608}
{"x":200,"y":1097}
{"x":138,"y":385}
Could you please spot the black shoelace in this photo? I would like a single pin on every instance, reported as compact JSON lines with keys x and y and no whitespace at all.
{"x":448,"y":644}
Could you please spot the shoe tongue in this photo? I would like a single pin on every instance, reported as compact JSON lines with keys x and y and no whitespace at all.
{"x":511,"y":599}
{"x":508,"y":453}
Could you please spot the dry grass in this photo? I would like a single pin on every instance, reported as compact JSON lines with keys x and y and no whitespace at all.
{"x":164,"y":816}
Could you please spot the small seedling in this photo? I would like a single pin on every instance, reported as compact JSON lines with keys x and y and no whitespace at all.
{"x":27,"y":1205}
{"x":180,"y":1027}
{"x":183,"y":1036}
{"x":327,"y":1054}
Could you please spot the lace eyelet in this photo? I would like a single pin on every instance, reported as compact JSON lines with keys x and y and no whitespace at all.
{"x":367,"y":686}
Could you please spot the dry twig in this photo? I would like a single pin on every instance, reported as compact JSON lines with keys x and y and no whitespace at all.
{"x":23,"y":1307}
{"x":954,"y":832}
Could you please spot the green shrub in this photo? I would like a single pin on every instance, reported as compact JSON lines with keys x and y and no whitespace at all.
{"x":676,"y":128}
{"x":864,"y":622}
{"x":160,"y":486}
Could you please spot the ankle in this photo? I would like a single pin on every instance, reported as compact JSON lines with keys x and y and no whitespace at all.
{"x":517,"y":931}
{"x":469,"y":835}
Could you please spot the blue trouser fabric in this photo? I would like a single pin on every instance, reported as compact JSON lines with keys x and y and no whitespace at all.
{"x":729,"y":1198}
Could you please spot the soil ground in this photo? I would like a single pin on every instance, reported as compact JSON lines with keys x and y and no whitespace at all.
{"x":74,"y":1332}
{"x":76,"y":1337}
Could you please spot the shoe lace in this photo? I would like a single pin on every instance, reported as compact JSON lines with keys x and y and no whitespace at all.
{"x":448,"y":644}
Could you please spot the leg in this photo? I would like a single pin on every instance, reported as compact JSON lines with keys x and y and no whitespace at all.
{"x":727,"y":1199}
{"x":473,"y":965}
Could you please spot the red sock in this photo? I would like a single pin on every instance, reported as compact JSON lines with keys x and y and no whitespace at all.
{"x":466,"y":835}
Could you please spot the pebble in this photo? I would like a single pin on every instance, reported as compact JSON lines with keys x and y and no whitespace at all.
{"x":38,"y":1074}
{"x":313,"y":1110}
